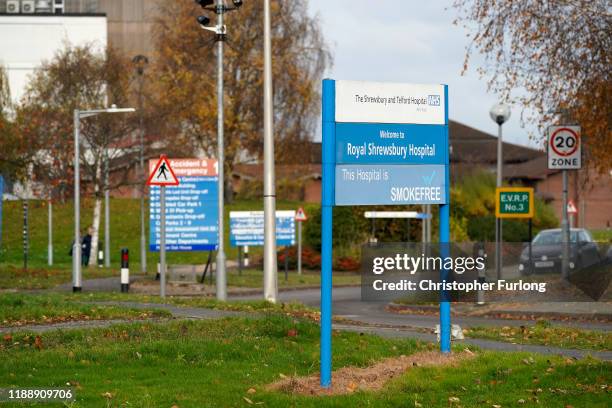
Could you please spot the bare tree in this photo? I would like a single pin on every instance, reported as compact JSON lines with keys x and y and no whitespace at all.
{"x":78,"y":78}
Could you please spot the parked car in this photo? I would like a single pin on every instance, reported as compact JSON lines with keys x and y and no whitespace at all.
{"x":547,"y":251}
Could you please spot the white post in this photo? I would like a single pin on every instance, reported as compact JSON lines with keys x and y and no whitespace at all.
{"x":270,"y":266}
{"x":162,"y":241}
{"x":221,"y":278}
{"x":106,"y":213}
{"x":498,"y":222}
{"x":299,"y":248}
{"x":50,"y":246}
{"x":565,"y":230}
{"x":76,"y":246}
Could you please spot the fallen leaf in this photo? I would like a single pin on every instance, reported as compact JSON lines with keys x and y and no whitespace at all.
{"x":8,"y":338}
{"x":292,"y":333}
{"x":247,"y":400}
{"x":251,"y":391}
{"x":38,"y":343}
{"x":521,"y":401}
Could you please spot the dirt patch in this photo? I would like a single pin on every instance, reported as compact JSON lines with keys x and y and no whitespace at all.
{"x":350,"y":379}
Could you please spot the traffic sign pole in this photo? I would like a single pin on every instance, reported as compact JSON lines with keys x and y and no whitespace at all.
{"x":565,"y":230}
{"x":162,"y":176}
{"x":162,"y":241}
{"x":300,"y":216}
{"x":299,"y":250}
{"x":564,"y":152}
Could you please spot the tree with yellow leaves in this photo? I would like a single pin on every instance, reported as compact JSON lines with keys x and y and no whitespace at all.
{"x":185,"y":72}
{"x":555,"y":54}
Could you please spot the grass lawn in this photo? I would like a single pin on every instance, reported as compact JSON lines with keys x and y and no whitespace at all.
{"x":13,"y":277}
{"x":545,"y":333}
{"x":253,"y":278}
{"x":124,"y":227}
{"x":22,"y":309}
{"x":216,"y":363}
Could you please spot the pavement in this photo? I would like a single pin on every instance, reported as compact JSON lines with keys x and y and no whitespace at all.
{"x":363,"y":317}
{"x":401,"y":331}
{"x":347,"y":303}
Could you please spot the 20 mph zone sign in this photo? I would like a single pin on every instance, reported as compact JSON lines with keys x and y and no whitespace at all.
{"x":564,"y":148}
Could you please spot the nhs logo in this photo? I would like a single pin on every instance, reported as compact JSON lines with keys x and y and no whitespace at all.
{"x":433,"y":100}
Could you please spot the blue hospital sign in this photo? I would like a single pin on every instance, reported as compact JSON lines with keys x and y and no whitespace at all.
{"x":383,"y":144}
{"x":391,"y":143}
{"x":191,"y":207}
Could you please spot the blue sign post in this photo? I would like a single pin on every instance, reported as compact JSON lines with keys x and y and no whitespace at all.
{"x":383,"y":143}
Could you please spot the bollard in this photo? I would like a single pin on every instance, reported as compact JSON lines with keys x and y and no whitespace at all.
{"x":100,"y":258}
{"x":245,"y":256}
{"x":125,"y":270}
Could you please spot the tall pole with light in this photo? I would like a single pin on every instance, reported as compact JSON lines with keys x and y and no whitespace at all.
{"x":270,"y":266}
{"x":140,"y":62}
{"x":220,"y":9}
{"x":77,"y":280}
{"x":500,"y":114}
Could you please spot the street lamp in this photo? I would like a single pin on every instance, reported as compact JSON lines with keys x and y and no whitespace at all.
{"x":500,"y":114}
{"x":269,"y":193}
{"x":76,"y":245}
{"x":220,"y":9}
{"x":140,"y":62}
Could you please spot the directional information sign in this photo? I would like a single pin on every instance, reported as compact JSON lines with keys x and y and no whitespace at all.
{"x":514,"y":202}
{"x":564,"y":152}
{"x":247,"y":228}
{"x":191,"y":207}
{"x":162,"y":174}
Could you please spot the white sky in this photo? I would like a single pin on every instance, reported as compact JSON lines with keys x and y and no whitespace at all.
{"x":410,"y":41}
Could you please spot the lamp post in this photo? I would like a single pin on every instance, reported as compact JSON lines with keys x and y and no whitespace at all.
{"x":140,"y":62}
{"x":270,"y":267}
{"x":220,"y":9}
{"x":500,"y":114}
{"x":76,"y":245}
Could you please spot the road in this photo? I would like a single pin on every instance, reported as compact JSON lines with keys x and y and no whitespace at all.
{"x":347,"y":303}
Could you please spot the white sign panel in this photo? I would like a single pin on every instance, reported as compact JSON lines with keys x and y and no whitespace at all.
{"x":563,"y":148}
{"x":387,"y":102}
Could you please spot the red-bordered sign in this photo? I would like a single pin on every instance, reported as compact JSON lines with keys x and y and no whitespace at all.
{"x":565,"y":146}
{"x":162,"y":174}
{"x":300,"y":215}
{"x":571,"y":207}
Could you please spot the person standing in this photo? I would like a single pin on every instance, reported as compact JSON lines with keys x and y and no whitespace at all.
{"x":86,"y":247}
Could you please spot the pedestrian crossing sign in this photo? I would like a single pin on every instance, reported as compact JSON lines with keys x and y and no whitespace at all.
{"x":300,"y":215}
{"x":162,"y":174}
